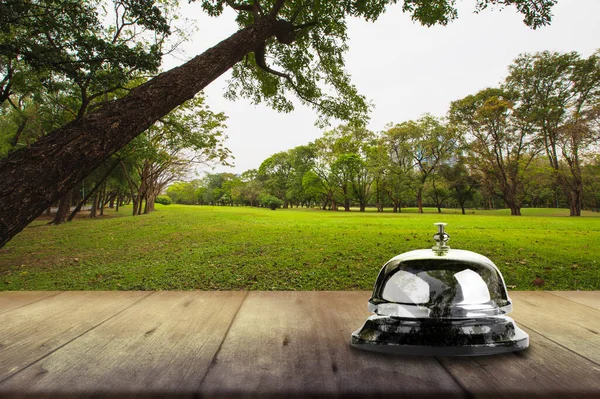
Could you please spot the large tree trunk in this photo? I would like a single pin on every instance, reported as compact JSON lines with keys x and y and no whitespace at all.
{"x":63,"y":208}
{"x":575,"y":202}
{"x":347,"y":205}
{"x":34,"y":178}
{"x":515,"y":210}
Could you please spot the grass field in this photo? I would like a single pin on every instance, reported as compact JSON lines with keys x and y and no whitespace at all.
{"x":225,"y":248}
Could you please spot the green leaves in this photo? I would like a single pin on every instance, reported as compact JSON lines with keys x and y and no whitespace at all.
{"x":537,"y":13}
{"x":313,"y":66}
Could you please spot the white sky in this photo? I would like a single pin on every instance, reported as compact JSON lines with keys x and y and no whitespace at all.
{"x":405,"y":69}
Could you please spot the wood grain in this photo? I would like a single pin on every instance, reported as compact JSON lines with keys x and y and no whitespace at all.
{"x":10,"y":300}
{"x":32,"y":332}
{"x":545,"y":369}
{"x":294,"y":344}
{"x":568,"y":323}
{"x":162,"y":345}
{"x":298,"y":344}
{"x":587,"y":298}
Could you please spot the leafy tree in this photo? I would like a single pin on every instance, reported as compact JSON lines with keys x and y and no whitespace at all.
{"x":73,"y":60}
{"x":461,"y":183}
{"x":304,"y":41}
{"x":251,"y":188}
{"x":191,"y":134}
{"x":539,"y":184}
{"x":438,"y":190}
{"x":275,"y":172}
{"x":345,"y":152}
{"x":184,"y":192}
{"x":269,"y":201}
{"x":501,"y":142}
{"x":377,"y":164}
{"x":591,"y":186}
{"x":430,"y":143}
{"x":561,"y":93}
{"x":400,"y":175}
{"x":302,"y":161}
{"x":321,"y":181}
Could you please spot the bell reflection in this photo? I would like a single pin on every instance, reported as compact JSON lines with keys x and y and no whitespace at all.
{"x":440,"y":301}
{"x":473,"y":289}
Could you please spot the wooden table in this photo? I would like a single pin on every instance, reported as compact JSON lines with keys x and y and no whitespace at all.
{"x":230,"y":344}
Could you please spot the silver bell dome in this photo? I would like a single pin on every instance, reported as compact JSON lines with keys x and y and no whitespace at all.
{"x":440,"y":301}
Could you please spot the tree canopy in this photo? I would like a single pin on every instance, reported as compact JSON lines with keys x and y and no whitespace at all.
{"x":284,"y":46}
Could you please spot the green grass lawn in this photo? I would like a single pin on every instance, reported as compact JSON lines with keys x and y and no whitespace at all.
{"x":225,"y":248}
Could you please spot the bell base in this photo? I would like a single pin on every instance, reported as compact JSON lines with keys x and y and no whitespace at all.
{"x":440,"y":337}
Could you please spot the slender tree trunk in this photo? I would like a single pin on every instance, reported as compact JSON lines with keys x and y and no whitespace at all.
{"x":20,"y":129}
{"x":48,"y":210}
{"x":93,"y":190}
{"x":135,"y":206}
{"x":57,"y":162}
{"x":94,"y":206}
{"x":420,"y":200}
{"x":63,"y":208}
{"x":103,"y":199}
{"x":140,"y":204}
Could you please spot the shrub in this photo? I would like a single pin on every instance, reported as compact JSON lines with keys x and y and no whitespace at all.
{"x":268,"y":201}
{"x":163,"y":199}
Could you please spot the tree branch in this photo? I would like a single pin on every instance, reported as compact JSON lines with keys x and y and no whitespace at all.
{"x":276,"y":8}
{"x":239,"y":7}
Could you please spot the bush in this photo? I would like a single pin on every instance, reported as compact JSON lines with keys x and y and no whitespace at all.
{"x":163,"y":199}
{"x":268,"y":201}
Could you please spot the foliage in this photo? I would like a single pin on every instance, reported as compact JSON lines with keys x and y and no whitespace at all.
{"x":502,"y":141}
{"x":307,"y":57}
{"x":163,"y":200}
{"x":560,"y":95}
{"x":489,"y":154}
{"x":60,"y":58}
{"x":268,"y":201}
{"x":184,"y":192}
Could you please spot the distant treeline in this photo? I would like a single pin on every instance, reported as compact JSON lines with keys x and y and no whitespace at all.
{"x":532,"y":141}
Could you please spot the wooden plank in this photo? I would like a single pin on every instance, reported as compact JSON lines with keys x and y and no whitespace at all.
{"x":570,"y":324}
{"x":32,"y":332}
{"x":545,"y":369}
{"x":162,"y":345}
{"x":298,"y":343}
{"x":10,"y":300}
{"x":587,"y":298}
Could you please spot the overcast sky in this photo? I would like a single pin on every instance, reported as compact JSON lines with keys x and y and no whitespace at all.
{"x":405,"y":69}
